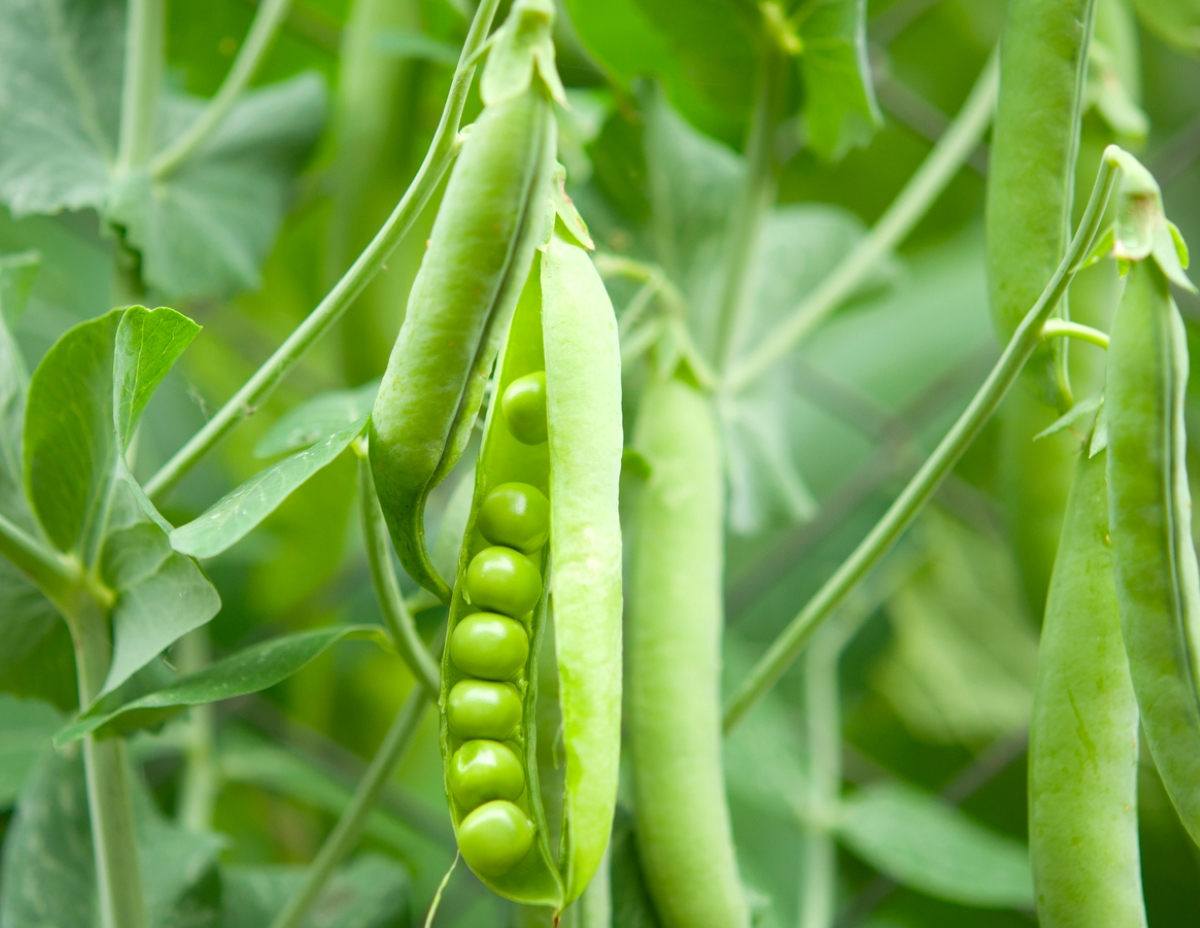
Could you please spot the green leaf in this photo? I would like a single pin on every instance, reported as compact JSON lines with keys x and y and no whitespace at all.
{"x":236,"y":514}
{"x":26,"y":727}
{"x":17,"y":273}
{"x":370,"y":892}
{"x":16,"y":278}
{"x":248,"y":671}
{"x":409,"y":43}
{"x":48,"y":876}
{"x":1071,"y":416}
{"x":37,"y":660}
{"x":316,"y":419}
{"x":149,"y":342}
{"x":204,"y":230}
{"x":702,"y":52}
{"x":840,"y":111}
{"x":925,"y":844}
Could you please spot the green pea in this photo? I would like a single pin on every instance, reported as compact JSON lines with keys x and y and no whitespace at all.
{"x":516,"y":515}
{"x":489,"y":646}
{"x":524,"y":408}
{"x":483,"y":709}
{"x":503,"y":580}
{"x":481,"y":771}
{"x":495,"y":837}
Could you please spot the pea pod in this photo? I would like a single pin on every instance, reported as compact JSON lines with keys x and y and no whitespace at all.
{"x":1083,"y":740}
{"x":674,"y":653}
{"x":1154,"y":561}
{"x":480,"y":251}
{"x":1031,"y":170}
{"x":549,"y":468}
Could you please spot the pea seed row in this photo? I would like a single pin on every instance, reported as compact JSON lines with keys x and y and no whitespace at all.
{"x":491,"y":647}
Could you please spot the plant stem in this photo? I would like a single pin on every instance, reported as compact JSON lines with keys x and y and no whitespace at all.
{"x":823,"y":716}
{"x":144,"y":39}
{"x":922,"y":189}
{"x":921,"y":488}
{"x":387,"y":589}
{"x":54,"y":574}
{"x":441,"y":153}
{"x":1061,"y":328}
{"x":349,"y":828}
{"x":754,"y":199}
{"x":267,"y":20}
{"x":110,"y":799}
{"x":198,"y":792}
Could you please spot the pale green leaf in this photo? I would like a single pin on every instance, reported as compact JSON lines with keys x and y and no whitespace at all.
{"x":26,"y":727}
{"x":316,"y":419}
{"x":1071,"y":416}
{"x":238,"y":513}
{"x":37,"y":660}
{"x":841,"y":112}
{"x":409,"y":43}
{"x":930,"y":846}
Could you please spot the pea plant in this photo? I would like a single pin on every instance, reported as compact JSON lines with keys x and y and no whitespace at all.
{"x":629,"y":463}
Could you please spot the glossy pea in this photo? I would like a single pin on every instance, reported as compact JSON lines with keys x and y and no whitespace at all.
{"x":481,"y":771}
{"x":1083,"y":737}
{"x":524,"y":408}
{"x":489,"y":646}
{"x":495,"y":838}
{"x":504,"y":581}
{"x":516,"y":515}
{"x":1154,"y":560}
{"x":483,"y":709}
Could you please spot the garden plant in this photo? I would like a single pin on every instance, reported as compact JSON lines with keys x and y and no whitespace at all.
{"x":598,"y":463}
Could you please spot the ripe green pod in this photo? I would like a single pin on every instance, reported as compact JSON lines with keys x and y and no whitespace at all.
{"x":495,"y":837}
{"x":481,"y":771}
{"x":1154,"y":560}
{"x":674,"y":673}
{"x":1083,"y":738}
{"x":524,"y":408}
{"x":563,"y":329}
{"x":504,"y":581}
{"x":489,"y":646}
{"x":491,"y":219}
{"x":483,"y":709}
{"x":516,"y":515}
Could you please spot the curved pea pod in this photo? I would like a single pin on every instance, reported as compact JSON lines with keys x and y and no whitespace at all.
{"x":491,"y":220}
{"x":1083,"y":739}
{"x":674,"y":666}
{"x":564,"y":330}
{"x":1154,"y":561}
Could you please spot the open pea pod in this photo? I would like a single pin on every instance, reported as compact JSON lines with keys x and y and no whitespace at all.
{"x":545,"y":508}
{"x":491,"y":220}
{"x":1154,"y":560}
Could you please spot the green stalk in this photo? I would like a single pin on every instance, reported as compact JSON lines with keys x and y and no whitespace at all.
{"x":921,"y":488}
{"x":923,"y":188}
{"x":754,"y":200}
{"x":387,"y":589}
{"x":201,"y":781}
{"x":350,"y":825}
{"x":54,"y":573}
{"x":110,"y":799}
{"x":441,"y":153}
{"x":144,"y":39}
{"x":267,"y":20}
{"x":1061,"y":328}
{"x":823,"y":717}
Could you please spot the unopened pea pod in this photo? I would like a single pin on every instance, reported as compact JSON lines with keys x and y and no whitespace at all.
{"x":674,"y":670}
{"x":1154,"y":561}
{"x":1083,"y":738}
{"x":491,"y":219}
{"x":549,"y":469}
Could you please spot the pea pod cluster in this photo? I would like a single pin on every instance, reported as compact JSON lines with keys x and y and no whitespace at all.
{"x":683,"y":829}
{"x":542,"y":547}
{"x":1083,"y":739}
{"x":1154,"y":560}
{"x":480,"y":251}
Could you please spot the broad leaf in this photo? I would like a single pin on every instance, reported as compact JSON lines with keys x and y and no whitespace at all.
{"x":840,"y":108}
{"x":203,"y":229}
{"x":236,"y":514}
{"x":925,"y":844}
{"x":317,"y":418}
{"x":37,"y":660}
{"x":48,"y":876}
{"x":16,"y":278}
{"x":249,"y":671}
{"x":26,"y":727}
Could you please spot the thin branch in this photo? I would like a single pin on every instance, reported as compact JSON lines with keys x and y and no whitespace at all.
{"x":52,"y":572}
{"x":442,"y":151}
{"x":267,"y":19}
{"x":1061,"y":328}
{"x":922,"y":189}
{"x":921,"y":488}
{"x":145,"y":36}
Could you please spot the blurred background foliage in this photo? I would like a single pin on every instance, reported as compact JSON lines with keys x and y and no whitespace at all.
{"x":937,"y":654}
